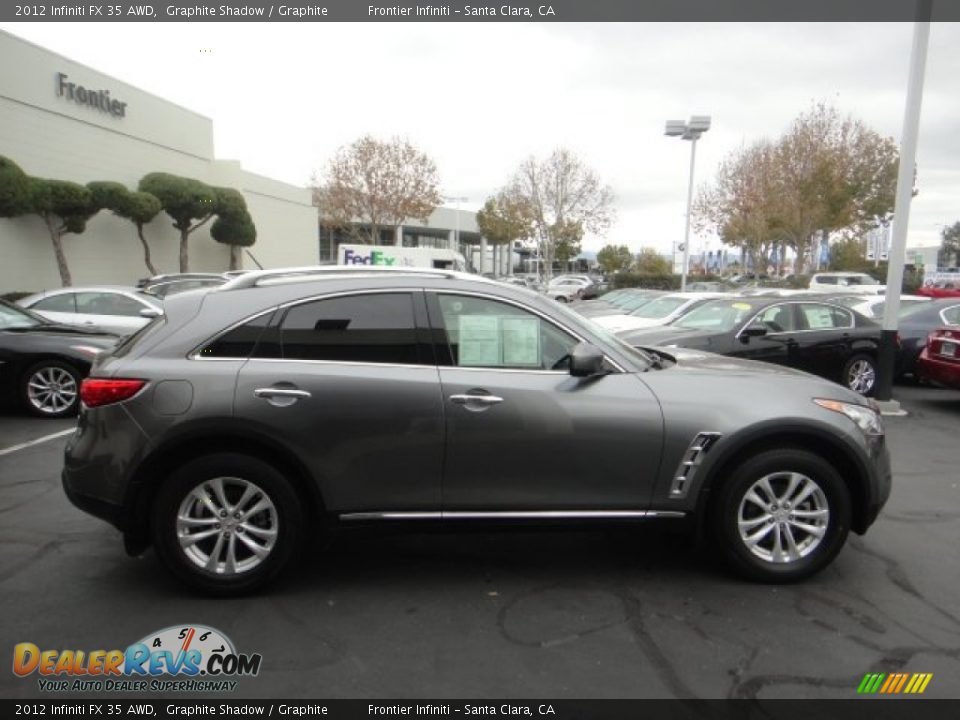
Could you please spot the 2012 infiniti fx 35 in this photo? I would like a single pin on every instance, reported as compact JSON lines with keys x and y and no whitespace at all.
{"x":232,"y":427}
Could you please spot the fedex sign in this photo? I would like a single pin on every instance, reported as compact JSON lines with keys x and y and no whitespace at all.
{"x":374,"y":257}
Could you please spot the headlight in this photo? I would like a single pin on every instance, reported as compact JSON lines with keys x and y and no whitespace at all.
{"x":865,"y":418}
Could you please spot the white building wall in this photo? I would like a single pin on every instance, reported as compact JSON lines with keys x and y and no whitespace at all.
{"x":51,"y":136}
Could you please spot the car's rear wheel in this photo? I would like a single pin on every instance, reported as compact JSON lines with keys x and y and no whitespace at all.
{"x":860,"y":374}
{"x":51,"y":388}
{"x":226,"y":523}
{"x":782,"y":516}
{"x":561,"y":298}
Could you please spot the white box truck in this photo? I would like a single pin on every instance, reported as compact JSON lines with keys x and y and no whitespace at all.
{"x":393,"y":256}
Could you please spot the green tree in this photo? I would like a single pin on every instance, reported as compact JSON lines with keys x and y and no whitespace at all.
{"x":849,"y":254}
{"x":567,"y":235}
{"x":234,"y":226}
{"x":650,"y":262}
{"x":191,"y":203}
{"x":14,"y":189}
{"x":949,"y":254}
{"x":138,"y":207}
{"x":614,"y":258}
{"x":65,"y":208}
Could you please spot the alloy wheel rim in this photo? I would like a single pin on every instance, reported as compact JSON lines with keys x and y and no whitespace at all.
{"x":52,"y":390}
{"x":783,"y":517}
{"x":861,"y":376}
{"x":227,"y":526}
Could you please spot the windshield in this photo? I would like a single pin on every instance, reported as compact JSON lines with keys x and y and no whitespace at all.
{"x":12,"y":317}
{"x":659,"y":308}
{"x":717,"y":316}
{"x":633,"y":302}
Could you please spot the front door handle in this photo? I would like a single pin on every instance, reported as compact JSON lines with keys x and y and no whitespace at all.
{"x":281,"y":392}
{"x":281,"y":397}
{"x":475,"y":400}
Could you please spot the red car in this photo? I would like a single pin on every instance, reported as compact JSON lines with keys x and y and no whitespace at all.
{"x":941,"y":290}
{"x":940,"y":359}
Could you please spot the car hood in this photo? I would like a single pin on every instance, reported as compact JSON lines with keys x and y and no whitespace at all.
{"x":698,"y":361}
{"x":665,"y":335}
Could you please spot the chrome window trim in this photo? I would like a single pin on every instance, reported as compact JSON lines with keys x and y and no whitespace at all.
{"x":943,"y":318}
{"x":194,"y":354}
{"x":847,"y":310}
{"x":509,"y":514}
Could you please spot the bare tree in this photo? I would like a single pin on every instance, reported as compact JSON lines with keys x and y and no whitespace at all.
{"x":561,"y":193}
{"x":371,"y":184}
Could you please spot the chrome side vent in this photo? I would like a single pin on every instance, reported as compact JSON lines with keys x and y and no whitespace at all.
{"x":691,"y":461}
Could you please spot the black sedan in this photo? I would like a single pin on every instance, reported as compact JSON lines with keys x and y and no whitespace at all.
{"x":42,"y":363}
{"x":916,"y":322}
{"x":818,"y":337}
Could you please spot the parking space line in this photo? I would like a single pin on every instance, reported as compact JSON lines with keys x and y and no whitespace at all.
{"x":21,"y":446}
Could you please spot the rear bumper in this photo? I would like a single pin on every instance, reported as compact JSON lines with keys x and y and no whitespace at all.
{"x":98,"y":507}
{"x":945,"y":372}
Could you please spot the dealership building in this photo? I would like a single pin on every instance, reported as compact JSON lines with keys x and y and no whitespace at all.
{"x":65,"y":121}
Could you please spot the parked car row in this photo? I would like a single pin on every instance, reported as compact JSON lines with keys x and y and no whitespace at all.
{"x":834,"y":335}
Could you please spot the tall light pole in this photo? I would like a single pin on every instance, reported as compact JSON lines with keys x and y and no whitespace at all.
{"x":901,"y":208}
{"x":691,"y":131}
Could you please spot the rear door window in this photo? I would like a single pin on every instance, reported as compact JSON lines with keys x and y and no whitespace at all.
{"x":824,"y":317}
{"x":367,"y":328}
{"x":65,"y":303}
{"x":102,"y":303}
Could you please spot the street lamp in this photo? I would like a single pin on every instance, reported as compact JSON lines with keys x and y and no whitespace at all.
{"x":691,"y":131}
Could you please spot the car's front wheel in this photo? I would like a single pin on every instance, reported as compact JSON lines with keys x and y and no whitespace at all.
{"x":782,"y":515}
{"x":51,"y":388}
{"x":226,"y":523}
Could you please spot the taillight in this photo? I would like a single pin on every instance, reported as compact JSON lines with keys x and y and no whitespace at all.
{"x":95,"y":392}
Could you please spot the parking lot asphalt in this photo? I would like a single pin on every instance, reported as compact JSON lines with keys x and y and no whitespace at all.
{"x":552,"y":614}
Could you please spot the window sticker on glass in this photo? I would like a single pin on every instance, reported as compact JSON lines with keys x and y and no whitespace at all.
{"x":521,"y":341}
{"x":479,"y":340}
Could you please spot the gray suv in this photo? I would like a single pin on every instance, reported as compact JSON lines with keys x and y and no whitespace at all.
{"x":247,"y":417}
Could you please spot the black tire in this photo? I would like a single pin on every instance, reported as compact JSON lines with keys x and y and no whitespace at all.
{"x":727,"y":509}
{"x":860,"y":360}
{"x":288,"y":523}
{"x":50,"y":370}
{"x":561,"y":299}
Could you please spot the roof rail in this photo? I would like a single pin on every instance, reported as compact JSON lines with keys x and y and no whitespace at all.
{"x":258,"y":277}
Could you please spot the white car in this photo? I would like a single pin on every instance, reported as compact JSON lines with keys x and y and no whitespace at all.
{"x":873,"y":307}
{"x":567,"y":289}
{"x":112,"y":309}
{"x":854,"y":282}
{"x":660,"y":311}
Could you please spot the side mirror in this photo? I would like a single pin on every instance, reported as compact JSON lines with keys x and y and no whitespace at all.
{"x":586,"y":360}
{"x":150,"y":313}
{"x":752,"y":331}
